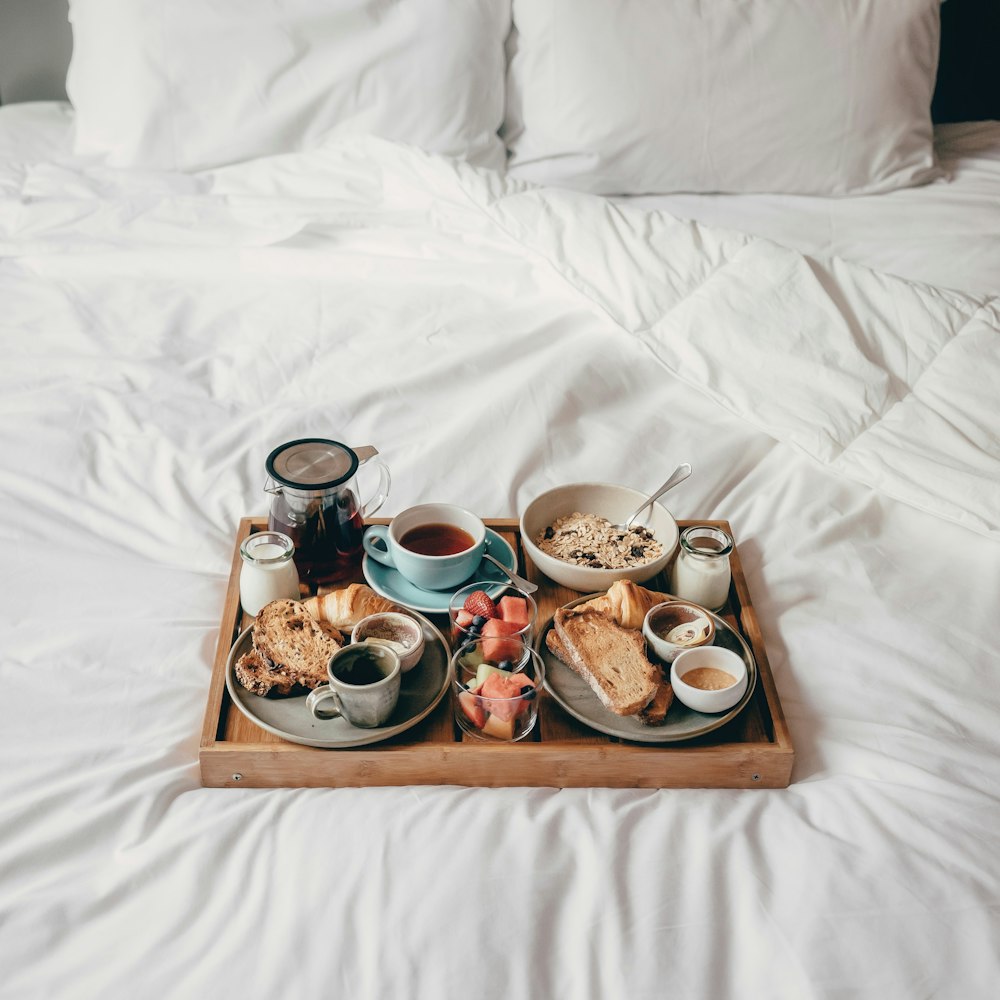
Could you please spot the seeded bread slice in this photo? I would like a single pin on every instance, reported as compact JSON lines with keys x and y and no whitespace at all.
{"x":611,"y":659}
{"x":260,"y":676}
{"x":287,"y":637}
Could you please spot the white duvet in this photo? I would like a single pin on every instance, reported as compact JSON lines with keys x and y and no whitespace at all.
{"x":162,"y":333}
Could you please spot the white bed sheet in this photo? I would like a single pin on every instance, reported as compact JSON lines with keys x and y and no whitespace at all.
{"x":162,"y":334}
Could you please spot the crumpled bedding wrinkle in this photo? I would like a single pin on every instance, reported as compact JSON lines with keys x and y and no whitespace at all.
{"x":769,"y":289}
{"x":846,"y":409}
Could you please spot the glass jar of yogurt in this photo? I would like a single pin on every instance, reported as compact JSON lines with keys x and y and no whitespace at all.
{"x":268,"y":572}
{"x":701,"y":573}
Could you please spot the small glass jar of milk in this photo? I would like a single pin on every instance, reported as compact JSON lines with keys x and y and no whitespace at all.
{"x":701,"y":573}
{"x":268,"y":573}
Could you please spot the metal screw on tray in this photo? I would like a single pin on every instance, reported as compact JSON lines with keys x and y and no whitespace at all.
{"x":677,"y":476}
{"x":519,"y":581}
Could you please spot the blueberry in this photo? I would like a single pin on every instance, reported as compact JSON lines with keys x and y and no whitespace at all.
{"x":479,"y":620}
{"x":505,"y":665}
{"x":473,"y":632}
{"x":528,"y":692}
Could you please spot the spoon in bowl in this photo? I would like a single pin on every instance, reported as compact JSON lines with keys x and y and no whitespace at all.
{"x":677,"y":476}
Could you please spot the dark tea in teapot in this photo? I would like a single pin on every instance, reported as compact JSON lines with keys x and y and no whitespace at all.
{"x":315,"y":502}
{"x":327,"y":536}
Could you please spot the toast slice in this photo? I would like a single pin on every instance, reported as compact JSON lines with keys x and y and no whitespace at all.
{"x":611,"y":659}
{"x":655,"y":713}
{"x":289,"y":648}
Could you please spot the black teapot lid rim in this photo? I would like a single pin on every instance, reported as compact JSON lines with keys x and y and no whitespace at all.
{"x":312,"y":464}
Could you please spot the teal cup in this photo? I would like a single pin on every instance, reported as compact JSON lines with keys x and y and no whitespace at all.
{"x":435,"y":546}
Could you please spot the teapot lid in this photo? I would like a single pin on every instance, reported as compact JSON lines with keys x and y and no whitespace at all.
{"x":312,"y":464}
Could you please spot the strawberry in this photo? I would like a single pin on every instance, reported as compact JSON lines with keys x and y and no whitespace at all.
{"x":480,"y":603}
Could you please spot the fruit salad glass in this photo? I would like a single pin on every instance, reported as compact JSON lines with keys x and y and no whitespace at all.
{"x":496,"y":683}
{"x":475,"y":614}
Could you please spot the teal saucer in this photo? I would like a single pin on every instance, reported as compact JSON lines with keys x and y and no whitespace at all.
{"x":393,"y":586}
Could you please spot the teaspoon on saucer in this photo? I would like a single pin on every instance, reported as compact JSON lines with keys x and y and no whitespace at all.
{"x":519,"y":581}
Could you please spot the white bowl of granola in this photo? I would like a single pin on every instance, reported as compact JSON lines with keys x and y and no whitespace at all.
{"x":567,"y":531}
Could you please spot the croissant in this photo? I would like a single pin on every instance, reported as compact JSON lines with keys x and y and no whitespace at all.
{"x":345,"y":608}
{"x":626,"y":602}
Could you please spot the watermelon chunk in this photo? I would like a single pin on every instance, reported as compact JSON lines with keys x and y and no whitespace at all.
{"x":484,"y":671}
{"x":501,"y":694}
{"x":472,"y":707}
{"x":522,"y":705}
{"x":495,"y":645}
{"x":514,"y":609}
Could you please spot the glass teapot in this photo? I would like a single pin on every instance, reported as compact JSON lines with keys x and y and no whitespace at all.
{"x":314,"y":500}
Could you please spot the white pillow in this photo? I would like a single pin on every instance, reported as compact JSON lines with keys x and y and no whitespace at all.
{"x":653,"y":96}
{"x":188,"y":84}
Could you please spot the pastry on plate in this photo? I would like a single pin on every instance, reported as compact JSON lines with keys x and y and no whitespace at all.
{"x":345,"y":608}
{"x":626,"y":603}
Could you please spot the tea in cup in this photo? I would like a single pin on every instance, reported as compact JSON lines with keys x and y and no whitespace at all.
{"x":364,"y":686}
{"x":435,"y":546}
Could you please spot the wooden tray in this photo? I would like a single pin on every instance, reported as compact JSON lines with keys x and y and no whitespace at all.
{"x":753,"y":751}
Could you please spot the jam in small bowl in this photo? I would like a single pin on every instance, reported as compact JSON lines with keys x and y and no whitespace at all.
{"x":710,"y":679}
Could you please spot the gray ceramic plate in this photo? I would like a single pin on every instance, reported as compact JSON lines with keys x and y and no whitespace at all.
{"x":422,"y":688}
{"x":574,"y":694}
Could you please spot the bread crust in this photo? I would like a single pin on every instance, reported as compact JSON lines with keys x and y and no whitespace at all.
{"x":655,"y":713}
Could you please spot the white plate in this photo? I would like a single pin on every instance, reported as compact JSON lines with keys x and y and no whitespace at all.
{"x":577,"y":697}
{"x":288,"y":717}
{"x":393,"y":586}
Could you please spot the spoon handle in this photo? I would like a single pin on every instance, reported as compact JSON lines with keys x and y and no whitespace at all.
{"x":677,"y":476}
{"x":526,"y":585}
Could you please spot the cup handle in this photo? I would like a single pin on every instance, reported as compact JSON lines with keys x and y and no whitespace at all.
{"x":380,"y":553}
{"x":320,"y":694}
{"x":365,"y":453}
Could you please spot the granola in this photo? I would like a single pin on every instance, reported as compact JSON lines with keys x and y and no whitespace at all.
{"x":590,"y":540}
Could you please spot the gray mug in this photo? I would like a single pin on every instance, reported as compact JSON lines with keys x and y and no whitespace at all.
{"x":363,"y":688}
